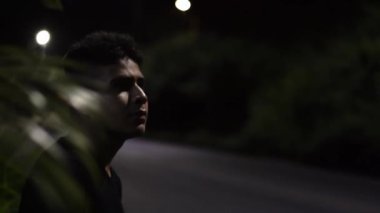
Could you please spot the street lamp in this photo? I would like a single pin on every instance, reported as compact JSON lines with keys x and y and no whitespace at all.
{"x":183,"y":5}
{"x":43,"y":38}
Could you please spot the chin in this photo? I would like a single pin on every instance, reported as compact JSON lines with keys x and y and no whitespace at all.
{"x":140,"y":130}
{"x":137,"y":131}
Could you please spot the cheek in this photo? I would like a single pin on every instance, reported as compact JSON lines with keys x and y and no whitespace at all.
{"x":123,"y":98}
{"x":115,"y":104}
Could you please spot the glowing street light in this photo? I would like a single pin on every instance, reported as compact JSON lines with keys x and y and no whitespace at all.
{"x":182,"y":5}
{"x":43,"y":37}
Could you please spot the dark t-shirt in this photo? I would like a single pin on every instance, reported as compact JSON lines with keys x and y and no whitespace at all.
{"x":66,"y":180}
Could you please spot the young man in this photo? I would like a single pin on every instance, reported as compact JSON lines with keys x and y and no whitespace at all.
{"x":82,"y":180}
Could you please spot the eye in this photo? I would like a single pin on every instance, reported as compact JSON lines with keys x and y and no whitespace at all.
{"x":141,"y":82}
{"x":121,"y":84}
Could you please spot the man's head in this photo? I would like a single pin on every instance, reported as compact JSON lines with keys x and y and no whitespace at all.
{"x":113,"y":63}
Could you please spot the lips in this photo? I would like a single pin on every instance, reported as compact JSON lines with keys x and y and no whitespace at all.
{"x":140,"y":116}
{"x":141,"y":113}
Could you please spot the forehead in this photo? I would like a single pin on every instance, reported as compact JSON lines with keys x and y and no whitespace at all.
{"x":126,"y":67}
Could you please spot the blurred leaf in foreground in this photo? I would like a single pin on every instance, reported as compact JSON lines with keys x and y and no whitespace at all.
{"x":53,"y":4}
{"x":38,"y":104}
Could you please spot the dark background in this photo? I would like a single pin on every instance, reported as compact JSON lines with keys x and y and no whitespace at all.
{"x":296,"y":79}
{"x":276,"y":21}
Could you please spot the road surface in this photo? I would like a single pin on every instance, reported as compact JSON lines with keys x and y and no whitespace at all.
{"x":165,"y":178}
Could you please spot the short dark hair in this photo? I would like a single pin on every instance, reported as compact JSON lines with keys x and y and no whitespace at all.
{"x":104,"y":48}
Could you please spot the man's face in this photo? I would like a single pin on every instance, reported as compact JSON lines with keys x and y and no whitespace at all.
{"x":124,"y":102}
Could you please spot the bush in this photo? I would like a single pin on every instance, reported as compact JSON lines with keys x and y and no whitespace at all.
{"x":297,"y":102}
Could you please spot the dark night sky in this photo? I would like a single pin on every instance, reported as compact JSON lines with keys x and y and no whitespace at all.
{"x":149,"y":20}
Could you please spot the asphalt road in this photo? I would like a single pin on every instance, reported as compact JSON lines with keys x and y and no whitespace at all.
{"x":163,"y":178}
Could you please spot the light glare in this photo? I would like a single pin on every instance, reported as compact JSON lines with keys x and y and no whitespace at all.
{"x":39,"y":135}
{"x":37,"y":99}
{"x":43,"y":37}
{"x":183,"y":5}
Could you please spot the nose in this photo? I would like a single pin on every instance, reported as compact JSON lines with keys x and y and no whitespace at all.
{"x":139,"y":95}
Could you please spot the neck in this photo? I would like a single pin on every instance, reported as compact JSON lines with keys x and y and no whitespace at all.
{"x":107,"y":147}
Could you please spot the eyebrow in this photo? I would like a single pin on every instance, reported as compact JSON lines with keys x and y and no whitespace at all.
{"x":120,"y":82}
{"x":125,"y":81}
{"x":127,"y":78}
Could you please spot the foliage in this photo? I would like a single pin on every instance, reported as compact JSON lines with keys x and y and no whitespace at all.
{"x":52,"y":4}
{"x":202,"y":75}
{"x":36,"y":107}
{"x":309,"y":102}
{"x":330,"y":94}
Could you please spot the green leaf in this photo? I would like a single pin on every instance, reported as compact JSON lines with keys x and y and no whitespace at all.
{"x":53,"y":4}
